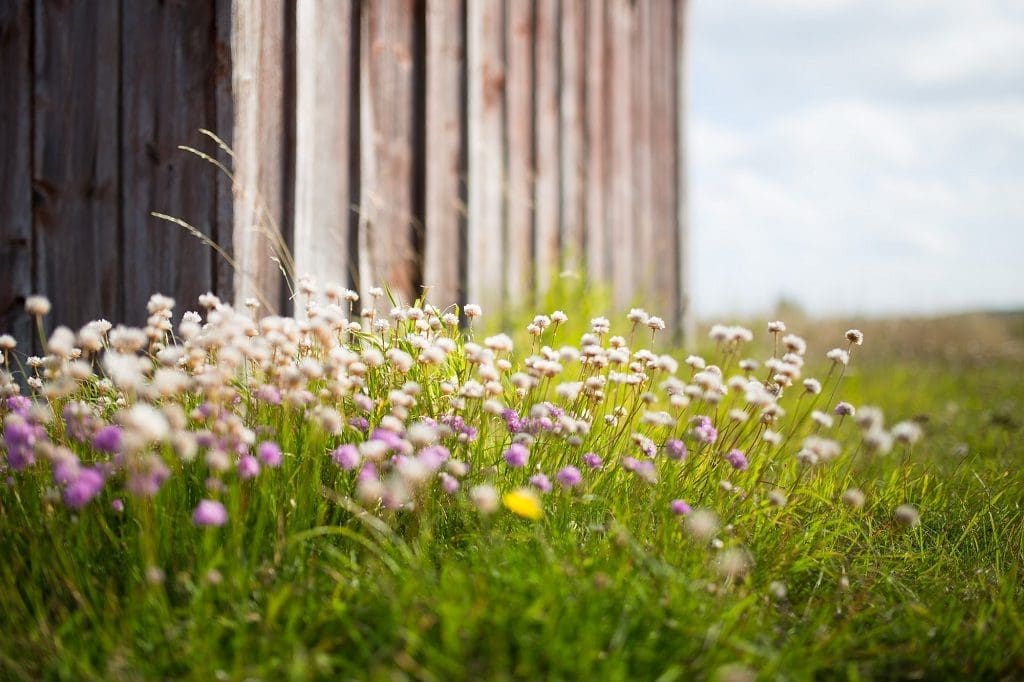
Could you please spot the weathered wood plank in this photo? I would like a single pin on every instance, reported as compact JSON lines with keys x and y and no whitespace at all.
{"x":663,"y":152}
{"x":645,"y":261}
{"x":687,"y":326}
{"x":167,"y":95}
{"x":444,"y":222}
{"x":598,"y":105}
{"x":546,"y":122}
{"x":16,"y":169}
{"x":486,"y":140}
{"x":573,"y":133}
{"x":386,"y":218}
{"x":621,"y":218}
{"x":519,"y":41}
{"x":223,"y":217}
{"x":258,"y":46}
{"x":75,"y":142}
{"x":324,"y":92}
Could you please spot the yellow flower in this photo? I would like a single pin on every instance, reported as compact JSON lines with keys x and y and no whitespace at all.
{"x":523,"y":502}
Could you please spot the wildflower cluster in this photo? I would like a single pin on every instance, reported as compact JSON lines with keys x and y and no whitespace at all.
{"x":397,"y":408}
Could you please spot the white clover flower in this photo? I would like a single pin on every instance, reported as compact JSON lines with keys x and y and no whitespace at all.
{"x":485,"y":497}
{"x":812,"y":386}
{"x":472,"y":311}
{"x":600,"y":325}
{"x":907,"y":515}
{"x":838,"y":356}
{"x":907,"y":432}
{"x":776,"y":327}
{"x":701,"y":524}
{"x":37,"y":306}
{"x":638,"y":316}
{"x":855,"y":336}
{"x":853,"y":498}
{"x":821,"y":419}
{"x":794,"y":344}
{"x":656,"y":323}
{"x":559,"y":317}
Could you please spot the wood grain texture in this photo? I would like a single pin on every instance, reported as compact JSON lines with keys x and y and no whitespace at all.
{"x":486,"y":150}
{"x":258,"y":45}
{"x":573,"y":133}
{"x":663,"y":155}
{"x":16,"y":169}
{"x":547,"y":187}
{"x":621,"y":217}
{"x":445,"y":219}
{"x":645,"y":262}
{"x":223,"y":217}
{"x":598,"y":105}
{"x":76,"y":179}
{"x":324,"y":93}
{"x":519,"y":92}
{"x":167,"y":95}
{"x":386,"y":254}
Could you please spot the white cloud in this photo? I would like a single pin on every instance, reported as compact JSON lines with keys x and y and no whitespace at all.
{"x":861,"y":157}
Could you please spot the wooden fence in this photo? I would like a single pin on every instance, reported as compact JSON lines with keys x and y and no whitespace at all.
{"x":476,"y":147}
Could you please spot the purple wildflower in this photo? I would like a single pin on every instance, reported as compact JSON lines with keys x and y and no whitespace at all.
{"x":269,"y":453}
{"x":704,"y":430}
{"x":680,"y":508}
{"x":19,"y":405}
{"x":210,"y":513}
{"x":86,"y":485}
{"x":346,"y":456}
{"x":541,"y":483}
{"x":269,"y":394}
{"x":108,"y":439}
{"x":20,"y":437}
{"x":513,"y":421}
{"x":569,"y":477}
{"x":517,"y":455}
{"x":359,"y":423}
{"x":117,"y":505}
{"x":368,"y":472}
{"x":675,"y":449}
{"x":248,"y":467}
{"x":737,"y":459}
{"x":433,"y":457}
{"x":646,"y":445}
{"x":630,"y":463}
{"x":449,"y":483}
{"x":592,"y":460}
{"x":147,"y":479}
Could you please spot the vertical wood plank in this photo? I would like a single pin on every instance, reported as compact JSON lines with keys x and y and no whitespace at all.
{"x":223,"y":216}
{"x":663,"y":155}
{"x":597,"y":114}
{"x":687,"y":326}
{"x":387,"y":256}
{"x":75,"y":147}
{"x":258,"y":48}
{"x":519,"y":37}
{"x":486,"y":140}
{"x":444,"y":222}
{"x":547,"y":185}
{"x":573,"y":133}
{"x":167,"y":95}
{"x":324,"y":90}
{"x":16,"y":169}
{"x":621,"y":219}
{"x":645,"y":262}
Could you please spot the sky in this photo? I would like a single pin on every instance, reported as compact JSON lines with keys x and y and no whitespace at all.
{"x":856,"y":156}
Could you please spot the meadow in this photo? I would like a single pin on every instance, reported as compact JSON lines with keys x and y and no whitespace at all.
{"x":408,"y":493}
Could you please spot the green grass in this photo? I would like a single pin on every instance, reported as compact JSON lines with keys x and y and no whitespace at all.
{"x":301,"y":583}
